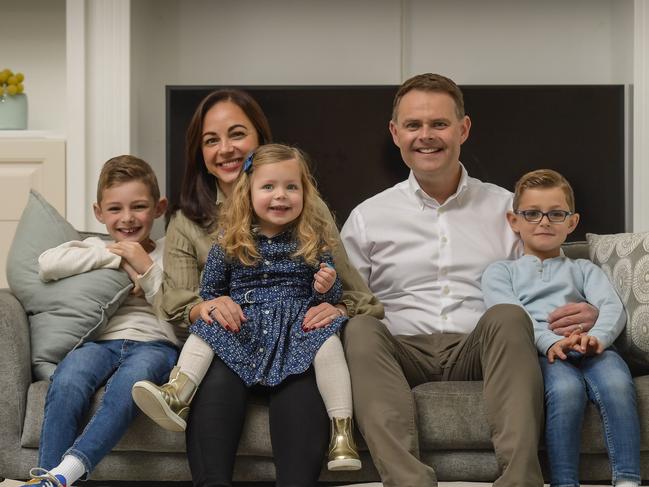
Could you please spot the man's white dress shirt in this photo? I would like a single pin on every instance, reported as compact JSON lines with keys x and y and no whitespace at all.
{"x":424,"y":260}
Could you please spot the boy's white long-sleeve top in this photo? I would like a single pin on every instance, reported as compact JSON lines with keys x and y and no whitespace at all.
{"x":135,"y":319}
{"x":540,"y":287}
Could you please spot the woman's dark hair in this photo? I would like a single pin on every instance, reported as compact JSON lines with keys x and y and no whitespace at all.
{"x":198,"y":190}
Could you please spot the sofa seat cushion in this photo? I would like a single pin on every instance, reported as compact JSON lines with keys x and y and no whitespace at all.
{"x":452,"y":416}
{"x":146,"y":436}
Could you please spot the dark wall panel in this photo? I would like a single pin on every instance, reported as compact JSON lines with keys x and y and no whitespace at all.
{"x":576,"y":130}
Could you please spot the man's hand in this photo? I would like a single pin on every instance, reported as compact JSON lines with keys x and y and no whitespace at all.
{"x":572,"y":317}
{"x":133,"y":253}
{"x":321,"y":315}
{"x":324,"y":279}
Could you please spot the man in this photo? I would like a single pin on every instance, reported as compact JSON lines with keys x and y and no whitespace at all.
{"x":422,"y":246}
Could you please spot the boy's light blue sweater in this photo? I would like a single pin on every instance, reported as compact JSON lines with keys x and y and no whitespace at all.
{"x":540,"y":287}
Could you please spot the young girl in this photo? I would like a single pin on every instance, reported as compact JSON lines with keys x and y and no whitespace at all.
{"x":271,"y":264}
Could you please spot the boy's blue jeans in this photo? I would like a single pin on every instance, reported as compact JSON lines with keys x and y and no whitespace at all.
{"x":606,"y":381}
{"x":117,"y":363}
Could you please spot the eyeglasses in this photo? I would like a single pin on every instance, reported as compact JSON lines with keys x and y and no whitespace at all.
{"x":535,"y":216}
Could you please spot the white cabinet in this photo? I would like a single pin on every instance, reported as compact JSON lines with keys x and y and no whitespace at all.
{"x":28,"y":160}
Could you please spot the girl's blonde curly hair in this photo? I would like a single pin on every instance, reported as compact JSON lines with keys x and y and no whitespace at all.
{"x":312,"y":229}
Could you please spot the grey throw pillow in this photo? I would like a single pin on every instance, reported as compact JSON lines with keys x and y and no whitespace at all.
{"x":624,"y":258}
{"x":62,"y":314}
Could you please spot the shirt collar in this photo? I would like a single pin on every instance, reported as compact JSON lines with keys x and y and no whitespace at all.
{"x":426,"y":200}
{"x":562,"y":255}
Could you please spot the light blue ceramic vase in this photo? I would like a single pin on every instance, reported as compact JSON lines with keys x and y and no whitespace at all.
{"x":13,"y":112}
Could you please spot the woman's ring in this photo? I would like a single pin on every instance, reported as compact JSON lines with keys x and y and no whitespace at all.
{"x":581,"y":328}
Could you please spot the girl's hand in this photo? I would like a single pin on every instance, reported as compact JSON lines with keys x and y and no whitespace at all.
{"x":321,"y":315}
{"x":133,"y":253}
{"x":224,"y":310}
{"x":324,"y":279}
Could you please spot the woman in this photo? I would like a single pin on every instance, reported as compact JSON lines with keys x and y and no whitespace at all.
{"x":226,"y":126}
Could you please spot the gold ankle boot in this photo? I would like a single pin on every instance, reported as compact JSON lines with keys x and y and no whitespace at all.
{"x":168,"y":404}
{"x":343,"y":454}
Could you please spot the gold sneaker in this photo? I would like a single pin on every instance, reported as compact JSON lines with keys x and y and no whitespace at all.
{"x":343,"y":454}
{"x":168,"y":404}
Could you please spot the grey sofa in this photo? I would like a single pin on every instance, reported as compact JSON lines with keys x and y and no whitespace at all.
{"x":454,"y":434}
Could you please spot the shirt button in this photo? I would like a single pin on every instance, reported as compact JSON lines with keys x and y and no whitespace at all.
{"x":267,"y":262}
{"x":446,"y":290}
{"x":443,"y":271}
{"x":265,"y":332}
{"x":269,"y":241}
{"x":444,"y":317}
{"x":266,"y":311}
{"x":443,"y":240}
{"x":265,"y":276}
{"x":261,"y":349}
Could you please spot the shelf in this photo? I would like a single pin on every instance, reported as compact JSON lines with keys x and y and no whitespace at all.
{"x":30,"y":134}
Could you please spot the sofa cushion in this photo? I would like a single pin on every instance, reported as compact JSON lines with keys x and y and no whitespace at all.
{"x":61,"y":313}
{"x":624,"y":257}
{"x":576,"y":250}
{"x":146,"y":436}
{"x":451,"y":416}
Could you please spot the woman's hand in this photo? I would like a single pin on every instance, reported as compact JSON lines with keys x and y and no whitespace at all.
{"x":573,"y":317}
{"x":322,"y":315}
{"x":224,"y":310}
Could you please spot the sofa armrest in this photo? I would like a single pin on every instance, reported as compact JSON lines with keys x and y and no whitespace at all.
{"x":15,"y":376}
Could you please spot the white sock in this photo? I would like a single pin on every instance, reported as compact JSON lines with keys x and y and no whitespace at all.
{"x":71,"y":468}
{"x":195,"y":358}
{"x":332,"y":377}
{"x":626,"y":483}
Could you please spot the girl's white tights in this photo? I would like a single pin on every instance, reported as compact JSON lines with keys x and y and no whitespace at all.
{"x":332,"y":376}
{"x":195,"y":358}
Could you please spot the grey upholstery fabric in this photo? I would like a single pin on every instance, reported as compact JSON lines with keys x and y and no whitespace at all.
{"x":454,"y":435}
{"x":624,"y":258}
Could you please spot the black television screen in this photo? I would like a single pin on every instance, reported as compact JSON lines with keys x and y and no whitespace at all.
{"x":574,"y":129}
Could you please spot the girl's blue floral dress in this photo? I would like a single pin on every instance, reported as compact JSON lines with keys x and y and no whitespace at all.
{"x":274,"y":295}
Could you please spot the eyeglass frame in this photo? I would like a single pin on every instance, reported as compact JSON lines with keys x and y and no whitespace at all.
{"x":546,"y":214}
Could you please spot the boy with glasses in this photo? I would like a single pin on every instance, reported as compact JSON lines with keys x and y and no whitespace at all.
{"x":580,"y":366}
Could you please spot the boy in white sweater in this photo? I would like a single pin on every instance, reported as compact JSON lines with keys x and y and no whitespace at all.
{"x":134,"y":345}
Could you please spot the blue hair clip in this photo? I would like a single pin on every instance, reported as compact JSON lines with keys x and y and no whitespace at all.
{"x":247,"y":165}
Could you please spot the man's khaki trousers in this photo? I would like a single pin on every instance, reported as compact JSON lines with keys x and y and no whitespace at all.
{"x":500,"y":351}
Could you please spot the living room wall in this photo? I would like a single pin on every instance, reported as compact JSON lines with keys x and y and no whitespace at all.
{"x":368,"y":42}
{"x":286,"y":42}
